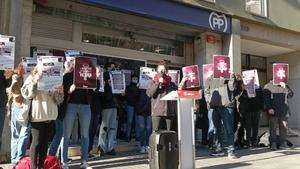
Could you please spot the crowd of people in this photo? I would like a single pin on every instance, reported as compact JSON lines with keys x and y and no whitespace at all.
{"x":228,"y":117}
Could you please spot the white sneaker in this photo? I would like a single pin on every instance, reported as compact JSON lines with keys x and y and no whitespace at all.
{"x":65,"y":166}
{"x":85,"y":165}
{"x":147,"y":149}
{"x":143,"y":150}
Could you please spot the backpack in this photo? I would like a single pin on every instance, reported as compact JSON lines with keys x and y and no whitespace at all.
{"x":52,"y":162}
{"x":24,"y":163}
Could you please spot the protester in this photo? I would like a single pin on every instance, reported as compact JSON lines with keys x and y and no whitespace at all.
{"x":78,"y":107}
{"x":162,"y":110}
{"x":276,"y":104}
{"x":143,"y":108}
{"x":107,"y":134}
{"x":131,"y":96}
{"x":19,"y":131}
{"x":44,"y":110}
{"x":5,"y":81}
{"x":221,"y":99}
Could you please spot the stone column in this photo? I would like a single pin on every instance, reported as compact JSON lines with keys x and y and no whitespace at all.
{"x":232,"y":46}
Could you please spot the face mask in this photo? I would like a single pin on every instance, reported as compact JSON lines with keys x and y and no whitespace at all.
{"x":134,"y":81}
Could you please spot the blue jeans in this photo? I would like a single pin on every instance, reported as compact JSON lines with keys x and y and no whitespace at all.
{"x":145,"y":126}
{"x":108,"y":129}
{"x":93,"y":128}
{"x":130,"y":115}
{"x":19,"y":136}
{"x":211,"y":128}
{"x":56,"y":142}
{"x":223,"y":116}
{"x":2,"y":119}
{"x":83,"y":112}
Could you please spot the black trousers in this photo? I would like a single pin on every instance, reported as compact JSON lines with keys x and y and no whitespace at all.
{"x":41,"y":132}
{"x":156,"y":122}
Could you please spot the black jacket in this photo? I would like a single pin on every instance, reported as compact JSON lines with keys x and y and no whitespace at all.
{"x":96,"y":104}
{"x":131,"y":94}
{"x":4,"y":83}
{"x":256,"y":103}
{"x":108,"y":99}
{"x":143,"y":106}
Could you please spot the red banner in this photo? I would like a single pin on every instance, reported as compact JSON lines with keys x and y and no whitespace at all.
{"x":191,"y":73}
{"x":280,"y":73}
{"x":221,"y":66}
{"x":85,"y":73}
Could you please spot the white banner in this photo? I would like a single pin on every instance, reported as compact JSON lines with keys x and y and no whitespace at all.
{"x":51,"y":68}
{"x":7,"y":52}
{"x":146,"y":76}
{"x":118,"y":84}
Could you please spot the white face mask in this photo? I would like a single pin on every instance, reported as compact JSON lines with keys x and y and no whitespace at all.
{"x":135,"y":81}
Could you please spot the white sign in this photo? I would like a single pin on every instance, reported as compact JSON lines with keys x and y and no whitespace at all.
{"x":251,"y":82}
{"x":146,"y":77}
{"x":118,"y":84}
{"x":7,"y":52}
{"x":28,"y":65}
{"x":42,"y":52}
{"x":218,"y":22}
{"x":101,"y":81}
{"x":51,"y":68}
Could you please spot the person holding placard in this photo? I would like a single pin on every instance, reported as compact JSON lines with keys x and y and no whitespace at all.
{"x":43,"y":111}
{"x":5,"y":81}
{"x":162,"y":110}
{"x":276,"y":104}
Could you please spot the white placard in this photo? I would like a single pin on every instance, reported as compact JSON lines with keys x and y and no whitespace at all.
{"x":101,"y":80}
{"x":251,"y":81}
{"x":146,"y":77}
{"x":51,"y":68}
{"x":28,"y":64}
{"x":118,"y":83}
{"x":42,"y":52}
{"x":7,"y":52}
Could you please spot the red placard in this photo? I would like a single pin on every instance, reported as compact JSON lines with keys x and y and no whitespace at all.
{"x":189,"y":94}
{"x":207,"y":70}
{"x":191,"y":73}
{"x":221,"y":66}
{"x":85,"y":73}
{"x":280,"y":73}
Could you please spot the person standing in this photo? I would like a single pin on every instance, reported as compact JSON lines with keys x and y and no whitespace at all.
{"x":108,"y":128}
{"x":19,"y":132}
{"x":44,"y":110}
{"x":276,"y":104}
{"x":5,"y":81}
{"x":131,"y":95}
{"x":162,"y":110}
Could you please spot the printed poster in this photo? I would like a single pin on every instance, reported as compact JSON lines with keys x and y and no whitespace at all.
{"x":42,"y":52}
{"x":146,"y":77}
{"x":100,"y":72}
{"x":85,"y":75}
{"x":175,"y":76}
{"x":280,"y":73}
{"x":207,"y":71}
{"x":7,"y":52}
{"x":251,"y":81}
{"x":73,"y":53}
{"x":51,"y":68}
{"x":191,"y":73}
{"x":127,"y":74}
{"x":221,"y":66}
{"x":28,"y":64}
{"x":117,"y":82}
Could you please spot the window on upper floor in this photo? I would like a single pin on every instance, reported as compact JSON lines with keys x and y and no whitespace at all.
{"x":257,"y":7}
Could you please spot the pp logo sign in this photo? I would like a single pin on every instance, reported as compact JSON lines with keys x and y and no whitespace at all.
{"x":218,"y":22}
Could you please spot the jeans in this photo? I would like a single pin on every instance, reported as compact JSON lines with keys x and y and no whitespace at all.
{"x":19,"y":136}
{"x":282,"y":123}
{"x":211,"y":128}
{"x":130,"y":115}
{"x":225,"y":116}
{"x":2,"y":119}
{"x":41,"y":132}
{"x":145,"y":126}
{"x":108,"y":129}
{"x":56,"y":142}
{"x":93,"y":128}
{"x":83,"y":112}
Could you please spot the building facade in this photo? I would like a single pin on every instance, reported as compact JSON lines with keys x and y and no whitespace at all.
{"x":254,"y":33}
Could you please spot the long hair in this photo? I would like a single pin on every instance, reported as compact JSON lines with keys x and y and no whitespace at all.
{"x":19,"y":70}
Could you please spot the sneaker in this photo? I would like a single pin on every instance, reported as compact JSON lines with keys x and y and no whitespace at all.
{"x":232,"y":155}
{"x":100,"y":151}
{"x":65,"y":166}
{"x":143,"y":150}
{"x":217,"y":153}
{"x":112,"y":152}
{"x":273,"y":146}
{"x":91,"y":156}
{"x":284,"y":146}
{"x":147,"y":149}
{"x":85,"y":165}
